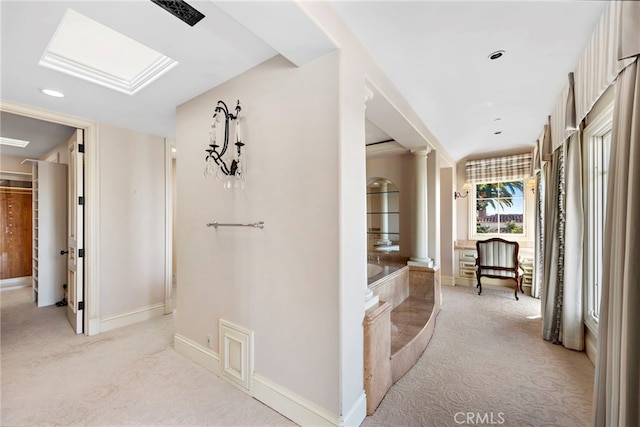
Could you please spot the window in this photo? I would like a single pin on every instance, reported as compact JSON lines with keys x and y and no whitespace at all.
{"x":598,"y":145}
{"x":499,"y":208}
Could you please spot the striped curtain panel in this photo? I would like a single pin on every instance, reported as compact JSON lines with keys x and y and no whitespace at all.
{"x":506,"y":168}
{"x":553,"y":292}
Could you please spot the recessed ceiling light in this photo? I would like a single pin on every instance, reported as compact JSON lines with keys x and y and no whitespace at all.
{"x":89,"y":50}
{"x":497,"y":119}
{"x":53,"y":93}
{"x":497,"y":132}
{"x":13,"y":142}
{"x":497,"y":54}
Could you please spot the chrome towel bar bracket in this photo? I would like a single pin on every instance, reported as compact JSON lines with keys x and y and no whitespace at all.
{"x":215,"y":224}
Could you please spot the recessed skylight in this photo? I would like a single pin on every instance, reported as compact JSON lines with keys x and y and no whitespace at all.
{"x":94,"y":52}
{"x":53,"y":93}
{"x":13,"y":142}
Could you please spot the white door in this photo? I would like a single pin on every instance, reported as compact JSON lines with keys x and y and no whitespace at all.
{"x":75,"y":275}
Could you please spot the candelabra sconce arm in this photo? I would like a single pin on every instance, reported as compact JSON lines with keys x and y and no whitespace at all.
{"x":466,"y":187}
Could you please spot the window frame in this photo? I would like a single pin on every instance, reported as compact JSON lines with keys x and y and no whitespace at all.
{"x":593,"y":135}
{"x":527,"y":219}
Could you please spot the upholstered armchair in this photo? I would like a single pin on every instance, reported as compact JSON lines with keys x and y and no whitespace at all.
{"x":498,"y":259}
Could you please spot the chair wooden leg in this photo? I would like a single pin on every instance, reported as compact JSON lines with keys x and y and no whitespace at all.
{"x":516,"y":293}
{"x":479,"y":286}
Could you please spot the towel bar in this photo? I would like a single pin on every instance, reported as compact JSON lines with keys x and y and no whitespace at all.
{"x":215,"y":224}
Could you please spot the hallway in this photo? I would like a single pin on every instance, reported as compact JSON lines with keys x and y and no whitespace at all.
{"x":128,"y":376}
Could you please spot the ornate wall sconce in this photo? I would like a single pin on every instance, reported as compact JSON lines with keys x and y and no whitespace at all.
{"x":225,"y":167}
{"x":466,"y":187}
{"x":532,"y":185}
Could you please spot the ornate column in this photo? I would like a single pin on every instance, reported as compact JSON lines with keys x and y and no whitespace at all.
{"x":419,"y":230}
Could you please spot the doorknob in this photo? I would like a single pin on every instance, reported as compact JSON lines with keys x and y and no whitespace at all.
{"x":64,"y":252}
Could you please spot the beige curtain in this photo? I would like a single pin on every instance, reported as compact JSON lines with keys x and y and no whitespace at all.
{"x":572,"y":308}
{"x":555,"y":219}
{"x":562,"y":301}
{"x":617,"y":394}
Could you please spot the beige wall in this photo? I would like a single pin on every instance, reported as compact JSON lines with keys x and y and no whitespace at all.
{"x":58,"y":154}
{"x":131,"y":220}
{"x":280,"y":282}
{"x":13,"y":164}
{"x":300,"y":282}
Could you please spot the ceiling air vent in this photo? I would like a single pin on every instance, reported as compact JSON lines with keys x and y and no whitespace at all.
{"x":181,"y":10}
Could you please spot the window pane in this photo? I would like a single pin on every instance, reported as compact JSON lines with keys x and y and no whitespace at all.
{"x":500,"y":208}
{"x":512,"y":215}
{"x":487,"y":216}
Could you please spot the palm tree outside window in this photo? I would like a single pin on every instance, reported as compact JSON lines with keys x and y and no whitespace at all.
{"x":500,"y":208}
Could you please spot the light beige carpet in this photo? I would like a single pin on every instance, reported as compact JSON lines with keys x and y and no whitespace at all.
{"x":487,"y":365}
{"x":128,"y":376}
{"x":486,"y":357}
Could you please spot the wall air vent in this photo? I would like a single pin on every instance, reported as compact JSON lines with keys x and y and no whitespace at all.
{"x":181,"y":10}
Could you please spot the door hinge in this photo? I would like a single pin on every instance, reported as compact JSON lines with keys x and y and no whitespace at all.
{"x":80,"y":148}
{"x":81,"y":200}
{"x":81,"y":305}
{"x":80,"y":253}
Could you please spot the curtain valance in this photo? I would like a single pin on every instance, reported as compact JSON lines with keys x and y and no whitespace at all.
{"x":506,"y":168}
{"x":600,"y":64}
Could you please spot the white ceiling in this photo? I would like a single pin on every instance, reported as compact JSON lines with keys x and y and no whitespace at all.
{"x":435,"y":53}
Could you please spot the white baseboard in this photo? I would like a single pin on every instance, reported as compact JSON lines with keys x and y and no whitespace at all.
{"x":295,"y":407}
{"x":132,"y":317}
{"x":94,"y":327}
{"x":16,"y":283}
{"x":448,"y":280}
{"x":357,"y":414}
{"x":197,"y":353}
{"x":298,"y":409}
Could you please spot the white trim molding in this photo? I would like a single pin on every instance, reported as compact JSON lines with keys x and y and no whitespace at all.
{"x":236,"y":355}
{"x":358,"y":412}
{"x":197,"y":353}
{"x":132,"y":317}
{"x":295,"y":407}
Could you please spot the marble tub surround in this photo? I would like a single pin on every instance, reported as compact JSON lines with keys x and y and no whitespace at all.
{"x":378,"y":377}
{"x":415,"y":319}
{"x":413,"y":296}
{"x":407,"y":321}
{"x":387,"y":258}
{"x":390,"y":263}
{"x":393,"y":287}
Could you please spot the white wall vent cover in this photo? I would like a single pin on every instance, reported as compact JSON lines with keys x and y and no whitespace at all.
{"x":86,"y":49}
{"x":236,"y":355}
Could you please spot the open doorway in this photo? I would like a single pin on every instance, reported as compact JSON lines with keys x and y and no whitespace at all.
{"x":56,"y":155}
{"x":46,"y":246}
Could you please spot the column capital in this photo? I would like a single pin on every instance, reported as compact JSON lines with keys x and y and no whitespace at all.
{"x":421,"y":152}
